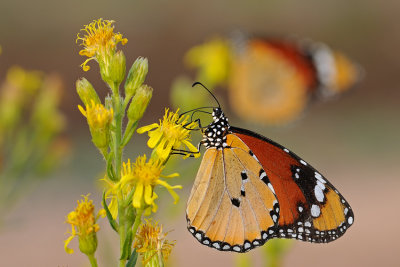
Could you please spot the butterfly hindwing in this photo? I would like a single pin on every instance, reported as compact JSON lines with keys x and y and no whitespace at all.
{"x":311,"y":209}
{"x":229,"y":207}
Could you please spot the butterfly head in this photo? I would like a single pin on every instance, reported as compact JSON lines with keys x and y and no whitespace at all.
{"x":217,"y":114}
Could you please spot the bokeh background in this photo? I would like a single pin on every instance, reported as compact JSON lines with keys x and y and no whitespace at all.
{"x":353,"y":140}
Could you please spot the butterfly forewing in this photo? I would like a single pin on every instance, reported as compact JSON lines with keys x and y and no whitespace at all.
{"x":311,"y":209}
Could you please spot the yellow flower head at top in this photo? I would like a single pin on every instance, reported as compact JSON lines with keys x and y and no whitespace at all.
{"x":99,"y":41}
{"x":170,"y":134}
{"x":152,"y":244}
{"x":142,"y":176}
{"x":83,"y":223}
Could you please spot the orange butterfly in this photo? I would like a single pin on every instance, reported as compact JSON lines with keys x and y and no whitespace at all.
{"x":250,"y":189}
{"x":272,"y":81}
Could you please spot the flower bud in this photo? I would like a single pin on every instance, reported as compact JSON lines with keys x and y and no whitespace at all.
{"x":108,"y":102}
{"x":136,"y":76}
{"x":86,"y":92}
{"x":118,"y":67}
{"x":139,"y":102}
{"x":88,"y":243}
{"x":99,"y":119}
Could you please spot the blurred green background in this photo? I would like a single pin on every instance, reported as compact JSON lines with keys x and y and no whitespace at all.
{"x":352,"y":140}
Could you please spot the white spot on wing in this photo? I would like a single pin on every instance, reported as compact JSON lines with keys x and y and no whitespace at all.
{"x":315,"y":211}
{"x":319,"y":177}
{"x":303,"y":162}
{"x":321,"y":185}
{"x":236,"y":248}
{"x":319,"y":195}
{"x":271,"y":187}
{"x":216,"y":245}
{"x":350,"y":220}
{"x":286,"y":150}
{"x":198,"y":236}
{"x":300,"y":208}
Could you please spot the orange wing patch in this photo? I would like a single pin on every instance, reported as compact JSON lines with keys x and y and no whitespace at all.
{"x":311,"y":209}
{"x":230,"y":208}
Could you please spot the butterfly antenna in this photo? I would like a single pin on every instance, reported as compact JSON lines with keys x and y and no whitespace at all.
{"x":196,"y":83}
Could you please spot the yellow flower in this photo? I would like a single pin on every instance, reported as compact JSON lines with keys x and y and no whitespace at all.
{"x":99,"y":119}
{"x":97,"y":115}
{"x":170,"y":134}
{"x":83,"y":224}
{"x":213,"y":59}
{"x":152,"y":244}
{"x":99,"y":41}
{"x":142,"y":176}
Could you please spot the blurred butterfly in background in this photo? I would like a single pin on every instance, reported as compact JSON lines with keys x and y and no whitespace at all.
{"x":272,"y":80}
{"x":250,"y":189}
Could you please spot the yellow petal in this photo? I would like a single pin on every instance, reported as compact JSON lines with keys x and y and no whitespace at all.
{"x":170,"y":189}
{"x":148,"y":190}
{"x":154,"y":139}
{"x":171,"y":175}
{"x":137,"y":196}
{"x":162,"y":152}
{"x":82,"y":110}
{"x":147,"y":128}
{"x":66,"y":242}
{"x":192,"y":148}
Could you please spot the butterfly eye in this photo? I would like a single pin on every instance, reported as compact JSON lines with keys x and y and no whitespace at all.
{"x":217,"y":112}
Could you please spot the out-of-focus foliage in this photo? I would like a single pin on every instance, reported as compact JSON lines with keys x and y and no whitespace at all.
{"x":31,"y":124}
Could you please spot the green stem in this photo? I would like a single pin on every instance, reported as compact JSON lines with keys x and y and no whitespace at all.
{"x":121,"y":232}
{"x":117,"y":149}
{"x":92,"y":259}
{"x":117,"y":134}
{"x":138,"y":220}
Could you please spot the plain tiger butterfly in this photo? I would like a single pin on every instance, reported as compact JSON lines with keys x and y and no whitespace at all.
{"x":273,"y":80}
{"x":249,"y":189}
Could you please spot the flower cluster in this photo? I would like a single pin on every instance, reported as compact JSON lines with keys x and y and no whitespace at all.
{"x":83,"y":224}
{"x":129,"y":187}
{"x":152,"y":244}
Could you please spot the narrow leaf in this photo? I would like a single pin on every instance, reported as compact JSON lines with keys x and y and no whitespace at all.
{"x":110,"y":218}
{"x":127,"y":246}
{"x":110,"y":168}
{"x":132,"y":259}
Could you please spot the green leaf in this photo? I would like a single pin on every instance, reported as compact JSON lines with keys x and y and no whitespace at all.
{"x":110,"y":218}
{"x":127,"y":246}
{"x":132,"y":259}
{"x":110,"y":168}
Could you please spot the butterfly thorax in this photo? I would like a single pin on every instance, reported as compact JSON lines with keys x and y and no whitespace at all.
{"x":215,"y":133}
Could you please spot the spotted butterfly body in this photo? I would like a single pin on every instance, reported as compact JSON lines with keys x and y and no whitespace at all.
{"x":250,"y":189}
